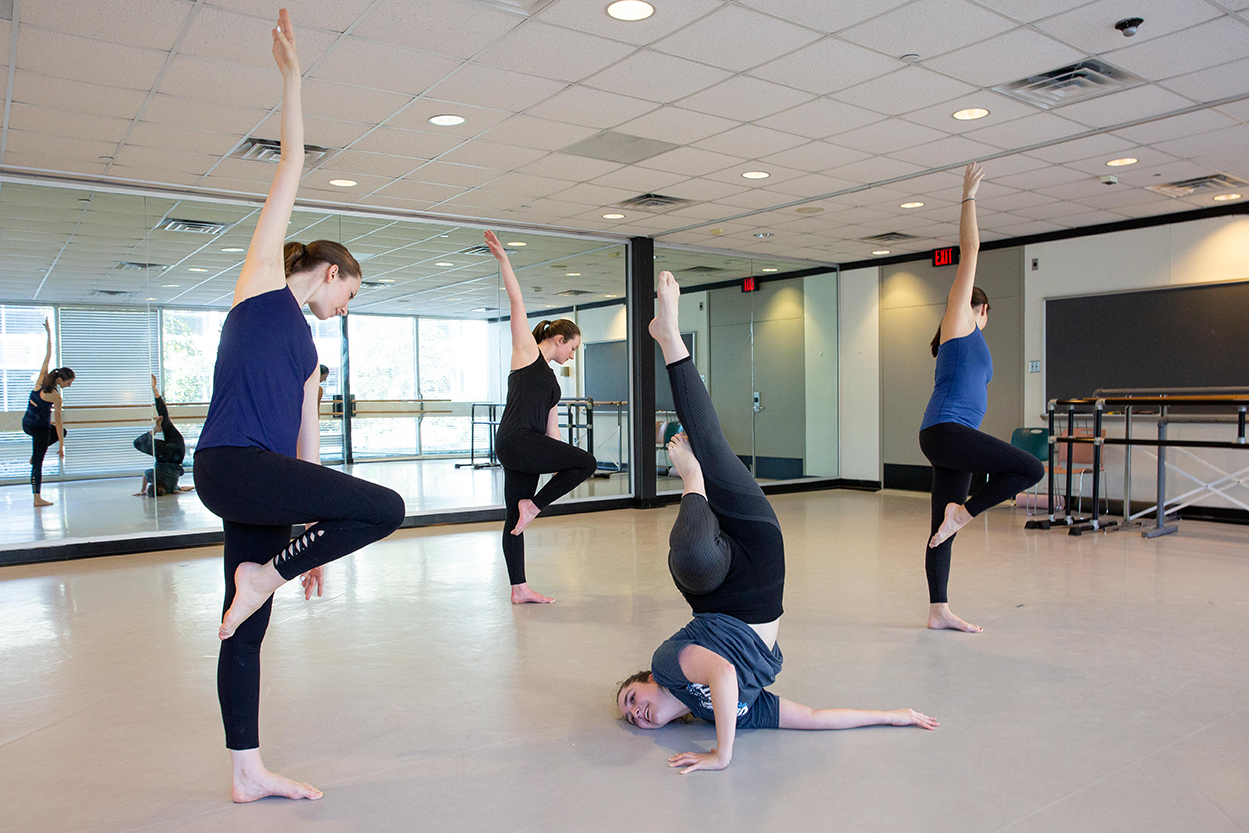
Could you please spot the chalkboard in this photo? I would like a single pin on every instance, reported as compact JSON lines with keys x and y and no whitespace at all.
{"x":607,"y":372}
{"x":1188,"y":336}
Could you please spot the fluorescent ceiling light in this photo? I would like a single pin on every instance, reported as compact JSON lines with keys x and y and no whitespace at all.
{"x":613,"y":216}
{"x":232,"y":249}
{"x":1226,"y":197}
{"x":629,"y":10}
{"x":444,"y":263}
{"x":756,"y":175}
{"x":517,"y":243}
{"x":881,"y":252}
{"x":971,"y":113}
{"x":1119,"y":163}
{"x":446,"y":120}
{"x":770,"y":269}
{"x":385,"y":280}
{"x":343,"y":183}
{"x":197,"y":269}
{"x":572,"y":274}
{"x":911,"y":205}
{"x":169,"y":285}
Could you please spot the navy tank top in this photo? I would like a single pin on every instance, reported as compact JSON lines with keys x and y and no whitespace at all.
{"x":265,"y":356}
{"x":961,"y":393}
{"x":38,"y":412}
{"x":532,"y":392}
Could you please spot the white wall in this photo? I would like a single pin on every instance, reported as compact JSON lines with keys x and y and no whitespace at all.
{"x":820,"y":328}
{"x":858,"y":404}
{"x":1200,"y":251}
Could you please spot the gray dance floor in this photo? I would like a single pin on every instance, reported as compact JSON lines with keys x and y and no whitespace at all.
{"x":1108,"y":693}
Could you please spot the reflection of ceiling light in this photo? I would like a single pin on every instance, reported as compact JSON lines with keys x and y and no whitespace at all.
{"x":1226,"y":197}
{"x":1119,"y":163}
{"x":232,"y":249}
{"x":613,"y":216}
{"x":169,"y":285}
{"x":763,"y":234}
{"x":770,"y":269}
{"x":572,"y":274}
{"x":971,"y":113}
{"x":517,"y":243}
{"x":444,"y":263}
{"x":447,"y":120}
{"x":453,"y":299}
{"x":881,"y":252}
{"x":756,"y":175}
{"x":910,"y":205}
{"x":151,"y":299}
{"x":343,"y":183}
{"x":630,"y":10}
{"x":385,"y":280}
{"x":612,"y":296}
{"x":197,"y":269}
{"x":480,"y":309}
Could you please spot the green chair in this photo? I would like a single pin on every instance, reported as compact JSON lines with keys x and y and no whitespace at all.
{"x":1035,"y":441}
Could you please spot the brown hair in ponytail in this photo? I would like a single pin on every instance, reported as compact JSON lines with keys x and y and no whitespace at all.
{"x":49,"y":381}
{"x":551,"y":329}
{"x":978,"y":299}
{"x":301,"y":258}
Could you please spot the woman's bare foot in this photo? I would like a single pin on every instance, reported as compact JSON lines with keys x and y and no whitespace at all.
{"x":940,"y":618}
{"x":253,"y":782}
{"x":41,"y":502}
{"x":686,"y":465}
{"x":528,"y":511}
{"x":956,"y":517}
{"x":522,"y":595}
{"x":253,"y":585}
{"x":665,"y":327}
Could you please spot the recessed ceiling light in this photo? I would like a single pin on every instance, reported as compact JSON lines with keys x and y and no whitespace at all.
{"x":808,"y":209}
{"x":343,"y":183}
{"x":630,"y":10}
{"x":151,"y":299}
{"x":1226,"y":197}
{"x":881,"y":252}
{"x":385,"y":280}
{"x":572,"y":274}
{"x":770,"y":269}
{"x":232,"y":249}
{"x":480,"y":309}
{"x":169,"y":285}
{"x":446,"y":120}
{"x":910,"y":205}
{"x":517,"y":243}
{"x":756,"y":175}
{"x":444,"y":263}
{"x":1119,"y":163}
{"x":453,"y":299}
{"x":613,"y":216}
{"x":971,"y":113}
{"x":197,"y":269}
{"x":612,"y":296}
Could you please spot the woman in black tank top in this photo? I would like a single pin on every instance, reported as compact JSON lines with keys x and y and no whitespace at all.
{"x":38,"y":422}
{"x":527,"y":442}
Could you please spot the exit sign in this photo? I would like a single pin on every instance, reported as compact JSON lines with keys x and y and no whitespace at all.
{"x":749,"y":285}
{"x":945,"y":257}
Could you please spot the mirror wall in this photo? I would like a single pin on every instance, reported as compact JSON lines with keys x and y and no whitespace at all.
{"x":768,"y":358}
{"x":421,"y":363}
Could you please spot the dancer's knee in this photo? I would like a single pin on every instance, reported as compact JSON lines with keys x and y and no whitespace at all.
{"x":699,"y":566}
{"x":1035,"y":470}
{"x":586,"y":464}
{"x":391,"y":511}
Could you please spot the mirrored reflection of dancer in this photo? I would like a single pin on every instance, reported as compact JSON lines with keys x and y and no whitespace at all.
{"x":167,"y":453}
{"x":527,"y":441}
{"x":256,"y":459}
{"x":949,"y":436}
{"x":39,"y":422}
{"x":727,"y":557}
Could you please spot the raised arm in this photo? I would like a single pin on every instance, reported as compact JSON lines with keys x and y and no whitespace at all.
{"x":797,"y":716}
{"x":47,"y":356}
{"x":708,"y":668}
{"x":524,"y":348}
{"x":959,"y":320}
{"x":263,"y":270}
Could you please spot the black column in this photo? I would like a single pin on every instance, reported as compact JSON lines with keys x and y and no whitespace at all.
{"x":641,"y":263}
{"x":345,"y":383}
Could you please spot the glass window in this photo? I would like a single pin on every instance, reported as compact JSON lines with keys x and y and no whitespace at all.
{"x":383,"y":373}
{"x":454,"y":365}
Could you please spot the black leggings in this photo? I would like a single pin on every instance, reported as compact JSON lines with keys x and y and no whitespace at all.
{"x":259,"y":495}
{"x":726,"y":553}
{"x":42,"y":438}
{"x":525,"y":456}
{"x":171,"y":448}
{"x":956,"y":451}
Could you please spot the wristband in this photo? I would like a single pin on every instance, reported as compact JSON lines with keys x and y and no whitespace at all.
{"x":969,"y":199}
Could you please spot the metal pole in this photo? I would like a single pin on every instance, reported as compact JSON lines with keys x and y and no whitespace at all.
{"x":1160,"y":528}
{"x":1053,"y":460}
{"x":1071,"y":418}
{"x":345,"y":383}
{"x":1127,"y":464}
{"x":640,"y":254}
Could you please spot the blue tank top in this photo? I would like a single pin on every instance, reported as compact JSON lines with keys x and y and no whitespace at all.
{"x":38,"y":412}
{"x":265,"y":356}
{"x":961,"y":393}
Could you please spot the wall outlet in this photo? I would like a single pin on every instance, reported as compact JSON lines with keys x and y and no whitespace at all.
{"x":1036,"y":263}
{"x":1034,"y":367}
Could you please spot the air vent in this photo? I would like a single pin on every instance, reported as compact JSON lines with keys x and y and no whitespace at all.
{"x":1077,"y":82}
{"x":110,"y":293}
{"x":1216,"y":182}
{"x":475,"y":251}
{"x":269,"y":150}
{"x":700,"y":270}
{"x":619,"y":147}
{"x":890,"y":237}
{"x":194,"y":226}
{"x":372,"y":283}
{"x":653,"y":202}
{"x":573,"y":293}
{"x":135,"y":266}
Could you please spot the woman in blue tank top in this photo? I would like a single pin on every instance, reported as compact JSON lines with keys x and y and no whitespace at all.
{"x":38,"y":423}
{"x":257,"y":459}
{"x":949,"y":436}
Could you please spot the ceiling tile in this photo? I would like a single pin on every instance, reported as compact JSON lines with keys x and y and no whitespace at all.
{"x":203,"y":115}
{"x":151,"y":135}
{"x":1001,"y":109}
{"x":1201,"y":47}
{"x":44,"y":52}
{"x":169,"y":160}
{"x":1092,"y":27}
{"x":1030,"y":130}
{"x":328,"y":133}
{"x":827,"y":66}
{"x":332,"y":15}
{"x":449,"y":27}
{"x":527,"y":131}
{"x":1019,"y":199}
{"x":888,"y":136}
{"x":408,"y":190}
{"x":590,"y":17}
{"x":553,"y":52}
{"x":591,"y":108}
{"x":416,"y":116}
{"x":342,"y":102}
{"x":812,"y":185}
{"x":814,"y":157}
{"x":704,"y":189}
{"x":1041,"y":178}
{"x":371,"y":164}
{"x":736,"y":38}
{"x":499,"y":89}
{"x":1231,"y":138}
{"x":1214,"y":83}
{"x":526,"y":185}
{"x":750,"y":141}
{"x":1026,"y":11}
{"x":75,"y":96}
{"x":316,"y":184}
{"x":777,"y":174}
{"x":945,"y":152}
{"x":677,"y":125}
{"x":569,"y":167}
{"x":66,"y":148}
{"x":1106,"y":144}
{"x":62,"y":123}
{"x":1142,"y":176}
{"x":907,"y":89}
{"x":588,"y":194}
{"x":691,"y":161}
{"x":641,"y":180}
{"x":656,"y":77}
{"x":153,"y":24}
{"x":1191,"y":124}
{"x":1004,"y":58}
{"x":245,"y":39}
{"x":875,"y":169}
{"x":1136,"y":103}
{"x":745,"y":99}
{"x":820,"y":118}
{"x":230,"y":84}
{"x":919,"y":25}
{"x":484,"y":154}
{"x":822,"y":15}
{"x":383,"y":67}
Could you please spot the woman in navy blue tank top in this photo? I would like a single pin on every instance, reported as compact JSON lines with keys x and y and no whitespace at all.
{"x":949,"y":436}
{"x":527,"y":441}
{"x":257,"y":459}
{"x":38,"y":422}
